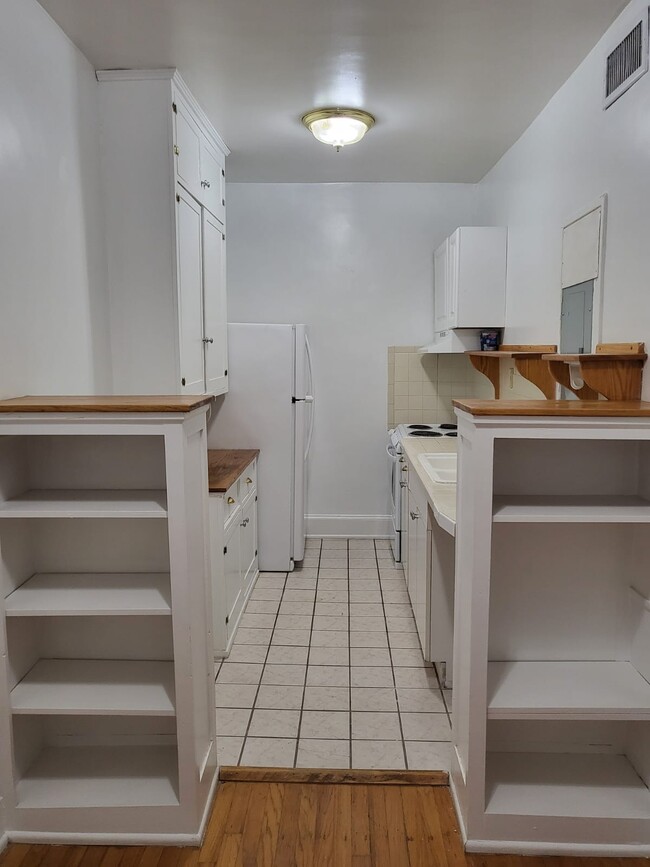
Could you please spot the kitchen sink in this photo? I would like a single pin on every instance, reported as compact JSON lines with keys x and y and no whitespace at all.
{"x":441,"y":468}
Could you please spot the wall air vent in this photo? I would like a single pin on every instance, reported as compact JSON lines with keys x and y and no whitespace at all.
{"x":627,"y":62}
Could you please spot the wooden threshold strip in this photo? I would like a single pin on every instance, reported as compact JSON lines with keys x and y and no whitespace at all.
{"x":333,"y":777}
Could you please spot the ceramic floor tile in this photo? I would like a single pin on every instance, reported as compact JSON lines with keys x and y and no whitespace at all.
{"x":310,"y":572}
{"x":365,"y":597}
{"x":228,"y":749}
{"x":370,"y":656}
{"x":270,"y":583}
{"x":361,"y":574}
{"x":257,"y":606}
{"x":385,"y":554}
{"x":376,"y":726}
{"x":308,"y":562}
{"x":331,"y":595}
{"x":361,"y":545}
{"x":338,"y":624}
{"x":233,"y":721}
{"x":327,"y":698}
{"x":328,"y":675}
{"x":281,"y":655}
{"x":257,"y":621}
{"x":336,"y":544}
{"x":266,"y":594}
{"x":361,"y":585}
{"x":234,"y":695}
{"x":326,"y":724}
{"x":366,"y":609}
{"x":284,"y":675}
{"x":325,"y":573}
{"x":363,"y":563}
{"x":274,"y":723}
{"x":371,"y":676}
{"x":240,"y":672}
{"x":391,"y":573}
{"x":301,"y":583}
{"x":331,"y":609}
{"x":395,"y":609}
{"x":305,"y":609}
{"x":323,"y":754}
{"x":368,"y":639}
{"x":329,"y":656}
{"x":367,"y":624}
{"x":403,"y":640}
{"x":248,"y":653}
{"x":339,"y":583}
{"x":392,"y":597}
{"x":401,"y":624}
{"x":269,"y":752}
{"x":253,"y":636}
{"x":416,"y":678}
{"x":373,"y":699}
{"x":426,"y":726}
{"x":299,"y":596}
{"x":293,"y":621}
{"x":291,"y":637}
{"x":420,"y":700}
{"x":329,"y":638}
{"x":424,"y":756}
{"x":280,"y":697}
{"x":404,"y":657}
{"x":384,"y":755}
{"x":382,"y":544}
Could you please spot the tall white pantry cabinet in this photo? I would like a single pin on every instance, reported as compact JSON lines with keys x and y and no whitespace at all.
{"x":551,"y":696}
{"x":163,"y":167}
{"x":107,"y":724}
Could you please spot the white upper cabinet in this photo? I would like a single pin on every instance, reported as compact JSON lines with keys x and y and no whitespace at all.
{"x":470,"y":279}
{"x":163,"y":168}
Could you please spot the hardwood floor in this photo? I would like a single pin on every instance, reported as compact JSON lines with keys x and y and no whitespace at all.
{"x":298,"y":824}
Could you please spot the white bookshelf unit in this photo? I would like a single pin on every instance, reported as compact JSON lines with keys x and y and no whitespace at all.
{"x":106,"y":675}
{"x":552,"y":632}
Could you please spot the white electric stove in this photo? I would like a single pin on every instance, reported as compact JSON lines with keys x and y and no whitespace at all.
{"x":397,"y":477}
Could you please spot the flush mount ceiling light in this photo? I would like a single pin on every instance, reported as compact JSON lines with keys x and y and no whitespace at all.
{"x":338,"y":126}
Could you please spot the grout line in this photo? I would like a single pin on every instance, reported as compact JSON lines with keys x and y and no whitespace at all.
{"x":349,"y":659}
{"x":304,"y":685}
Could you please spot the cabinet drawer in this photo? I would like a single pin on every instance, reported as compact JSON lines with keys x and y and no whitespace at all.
{"x":248,"y":481}
{"x":231,"y":503}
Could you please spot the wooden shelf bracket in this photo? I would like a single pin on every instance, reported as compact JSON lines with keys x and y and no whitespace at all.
{"x":614,"y":371}
{"x":528,"y":361}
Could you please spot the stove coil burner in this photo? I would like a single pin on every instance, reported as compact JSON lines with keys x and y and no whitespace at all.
{"x":426,"y":433}
{"x":418,"y":426}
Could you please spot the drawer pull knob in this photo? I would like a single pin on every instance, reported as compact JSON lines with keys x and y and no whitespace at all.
{"x":231,"y":500}
{"x":249,"y":481}
{"x":414,"y":516}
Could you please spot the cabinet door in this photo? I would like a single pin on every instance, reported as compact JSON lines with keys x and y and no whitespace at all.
{"x":453,"y":254}
{"x":248,"y":540}
{"x":188,"y":150}
{"x":190,"y":293}
{"x":232,"y":573}
{"x":440,"y":288}
{"x":214,"y":306}
{"x":212,"y":178}
{"x":411,"y":545}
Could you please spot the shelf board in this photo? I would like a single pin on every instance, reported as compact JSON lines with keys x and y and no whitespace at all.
{"x":578,"y":785}
{"x":101,"y":777}
{"x":571,"y":509}
{"x":86,"y":504}
{"x":86,"y":594}
{"x":567,"y":690}
{"x":104,"y":687}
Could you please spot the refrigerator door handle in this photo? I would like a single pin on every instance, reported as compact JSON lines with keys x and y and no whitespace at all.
{"x":309,"y":398}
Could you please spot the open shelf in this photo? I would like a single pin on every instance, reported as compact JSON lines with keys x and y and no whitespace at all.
{"x":565,"y":785}
{"x":567,"y":690}
{"x":101,"y":777}
{"x":597,"y":509}
{"x":84,"y":594}
{"x":86,"y":504}
{"x":97,"y":687}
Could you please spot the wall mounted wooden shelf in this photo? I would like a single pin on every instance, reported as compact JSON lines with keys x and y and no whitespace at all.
{"x":528,"y":361}
{"x":614,"y":370}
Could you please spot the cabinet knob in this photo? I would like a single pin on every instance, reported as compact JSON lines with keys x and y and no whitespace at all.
{"x":205,"y":185}
{"x":230,"y":501}
{"x":208,"y":339}
{"x":249,"y":481}
{"x":402,"y":484}
{"x":414,"y":516}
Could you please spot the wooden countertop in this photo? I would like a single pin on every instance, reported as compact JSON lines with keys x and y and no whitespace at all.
{"x":558,"y":408}
{"x":226,"y":465}
{"x":109,"y":403}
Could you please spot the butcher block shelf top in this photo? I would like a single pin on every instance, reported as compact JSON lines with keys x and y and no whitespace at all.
{"x":109,"y":403}
{"x":225,"y":466}
{"x":566,"y":408}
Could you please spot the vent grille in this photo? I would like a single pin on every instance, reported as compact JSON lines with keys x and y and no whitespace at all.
{"x":627,"y":62}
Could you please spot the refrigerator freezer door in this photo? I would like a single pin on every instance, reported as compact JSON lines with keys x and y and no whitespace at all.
{"x":258,"y":412}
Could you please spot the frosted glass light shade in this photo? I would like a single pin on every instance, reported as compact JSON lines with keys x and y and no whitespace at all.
{"x":338,"y":126}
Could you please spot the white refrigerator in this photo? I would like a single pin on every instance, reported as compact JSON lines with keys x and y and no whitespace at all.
{"x":270,"y":406}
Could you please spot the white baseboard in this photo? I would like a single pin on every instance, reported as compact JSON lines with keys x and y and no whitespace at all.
{"x":350,"y":526}
{"x":64,"y":838}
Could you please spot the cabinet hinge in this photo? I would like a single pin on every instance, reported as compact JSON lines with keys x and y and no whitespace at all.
{"x":225,"y":550}
{"x":223,"y":202}
{"x":183,"y":381}
{"x":223,"y":173}
{"x":177,"y":150}
{"x":225,"y":373}
{"x":223,"y":237}
{"x":178,"y":198}
{"x":256,"y":498}
{"x":256,"y":548}
{"x":227,"y":619}
{"x":174,"y":108}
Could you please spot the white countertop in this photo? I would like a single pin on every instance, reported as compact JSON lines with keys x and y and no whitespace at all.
{"x":442,"y":497}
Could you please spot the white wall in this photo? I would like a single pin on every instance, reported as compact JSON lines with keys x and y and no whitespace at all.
{"x":572,"y":154}
{"x":355,"y":263}
{"x":53,"y":322}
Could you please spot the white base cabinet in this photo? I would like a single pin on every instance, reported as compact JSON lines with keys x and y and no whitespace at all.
{"x":163,"y":168}
{"x":234,"y":556}
{"x":551,"y":702}
{"x":107,"y":726}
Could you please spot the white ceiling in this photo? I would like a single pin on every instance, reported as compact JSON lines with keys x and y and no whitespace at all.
{"x":453,"y":83}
